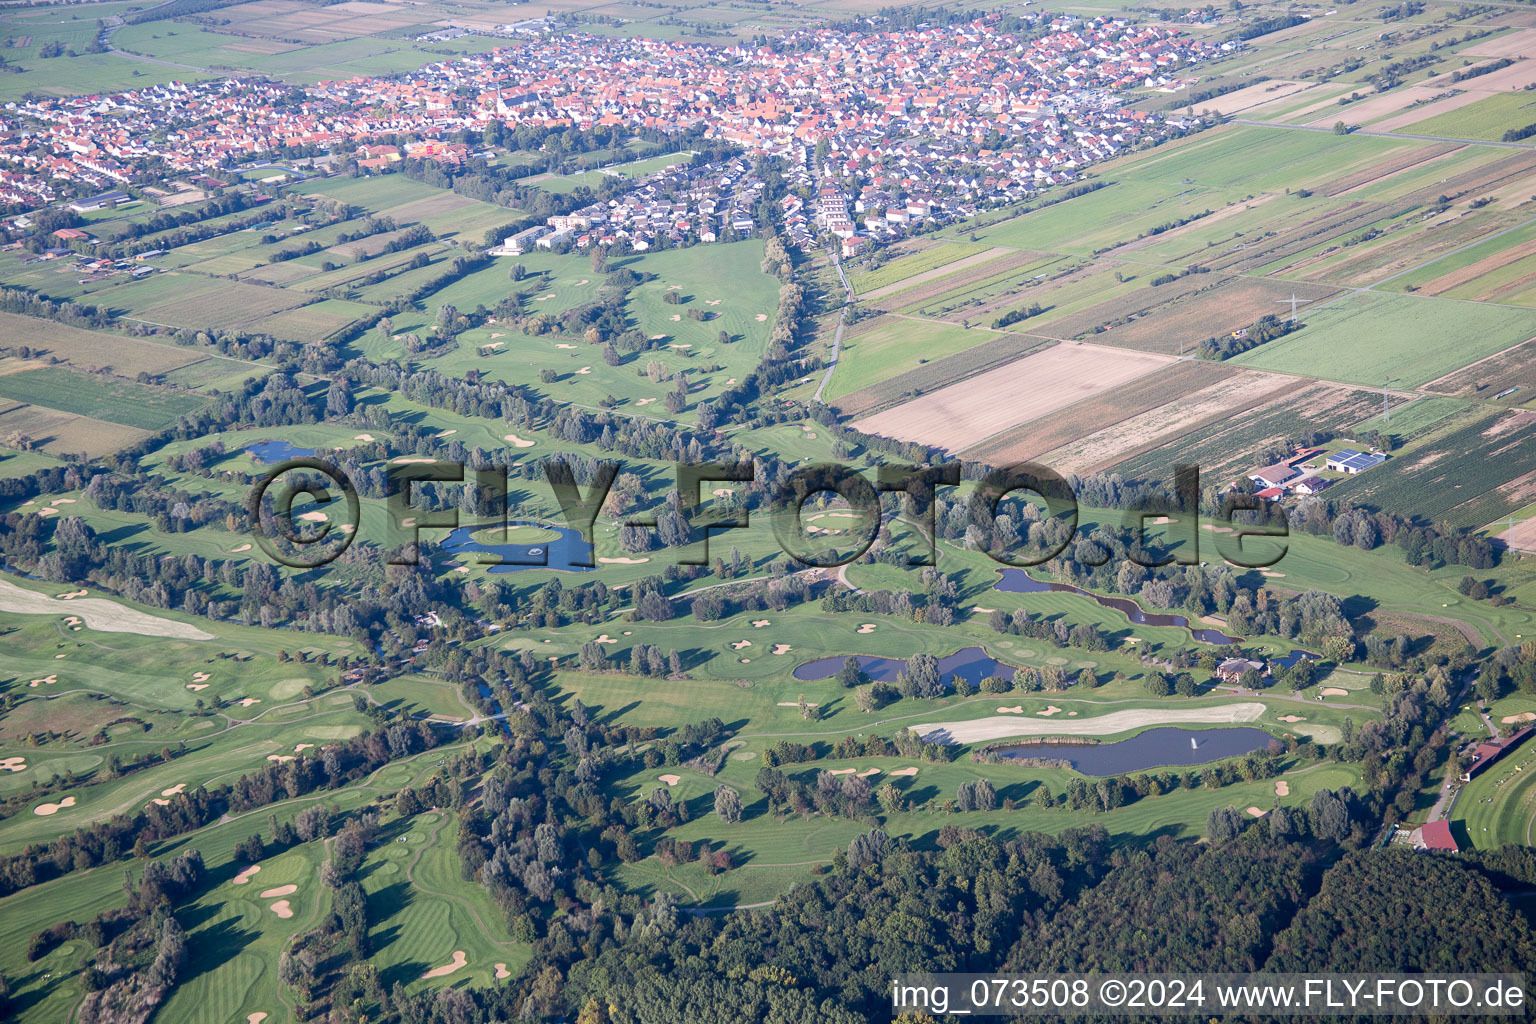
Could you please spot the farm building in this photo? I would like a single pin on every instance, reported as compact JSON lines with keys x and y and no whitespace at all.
{"x":1349,"y":461}
{"x":1437,"y":836}
{"x":1273,"y":476}
{"x":1493,"y":751}
{"x":1270,"y":493}
{"x":1311,"y":485}
{"x":100,"y":202}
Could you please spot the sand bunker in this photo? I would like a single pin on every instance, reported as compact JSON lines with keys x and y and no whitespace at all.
{"x":246,"y":702}
{"x":517,"y":442}
{"x":865,"y":627}
{"x":459,"y":960}
{"x":658,"y":337}
{"x":867,"y":772}
{"x":670,"y":780}
{"x":578,"y":285}
{"x":1282,"y":788}
{"x":984,"y":611}
{"x":760,"y":623}
{"x":501,"y":969}
{"x":281,"y":758}
{"x":739,"y":644}
{"x":761,"y":318}
{"x":405,"y":461}
{"x":675,"y":317}
{"x":282,"y":909}
{"x":1216,"y":529}
{"x":301,"y":747}
{"x":98,"y":613}
{"x":1524,"y":716}
{"x":1333,"y":691}
{"x":447,"y":433}
{"x":47,"y":511}
{"x":781,"y":648}
{"x":843,"y":771}
{"x":1049,"y":711}
{"x":796,"y":703}
{"x":623,"y":561}
{"x":197,"y":686}
{"x":245,"y":876}
{"x":44,"y":681}
{"x":1257,"y":812}
{"x":604,"y":638}
{"x":1292,"y":718}
{"x":71,"y":620}
{"x":71,"y":595}
{"x":906,"y":772}
{"x":13,"y":764}
{"x":362,"y":437}
{"x":983,"y":729}
{"x":44,"y":810}
{"x":644,"y":401}
{"x":282,"y":890}
{"x":585,"y":369}
{"x":178,"y":788}
{"x":200,"y":677}
{"x":1271,"y":574}
{"x":1017,"y":709}
{"x":242,"y":547}
{"x":255,"y":1018}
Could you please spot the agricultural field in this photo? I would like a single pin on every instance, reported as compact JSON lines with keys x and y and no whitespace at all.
{"x":1380,"y":339}
{"x":883,"y":347}
{"x":961,"y":415}
{"x":1488,"y":118}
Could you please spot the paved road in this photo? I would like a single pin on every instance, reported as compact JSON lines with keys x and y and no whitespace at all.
{"x":1384,"y":135}
{"x":837,"y":338}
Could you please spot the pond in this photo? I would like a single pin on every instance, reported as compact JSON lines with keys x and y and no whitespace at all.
{"x":565,"y":553}
{"x":1017,"y":581}
{"x":277,"y":451}
{"x":1164,"y":747}
{"x":970,"y":663}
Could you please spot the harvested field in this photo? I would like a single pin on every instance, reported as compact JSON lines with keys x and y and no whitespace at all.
{"x":1226,"y":445}
{"x":954,"y":288}
{"x":1521,"y":538}
{"x":1379,"y":105}
{"x":983,"y":729}
{"x":1515,"y":367}
{"x":1210,"y":405}
{"x":60,"y":433}
{"x":962,"y":415}
{"x":206,"y":303}
{"x":94,"y":350}
{"x":1115,"y":406}
{"x":1519,"y":43}
{"x":1385,"y":169}
{"x":966,"y":265}
{"x":1099,"y":318}
{"x":1482,"y":268}
{"x":1428,"y":110}
{"x":998,"y":349}
{"x":1243,"y":99}
{"x":1180,"y":325}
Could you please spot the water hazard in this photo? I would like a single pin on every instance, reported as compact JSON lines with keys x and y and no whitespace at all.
{"x":1164,"y":747}
{"x":567,"y":552}
{"x":1017,"y":581}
